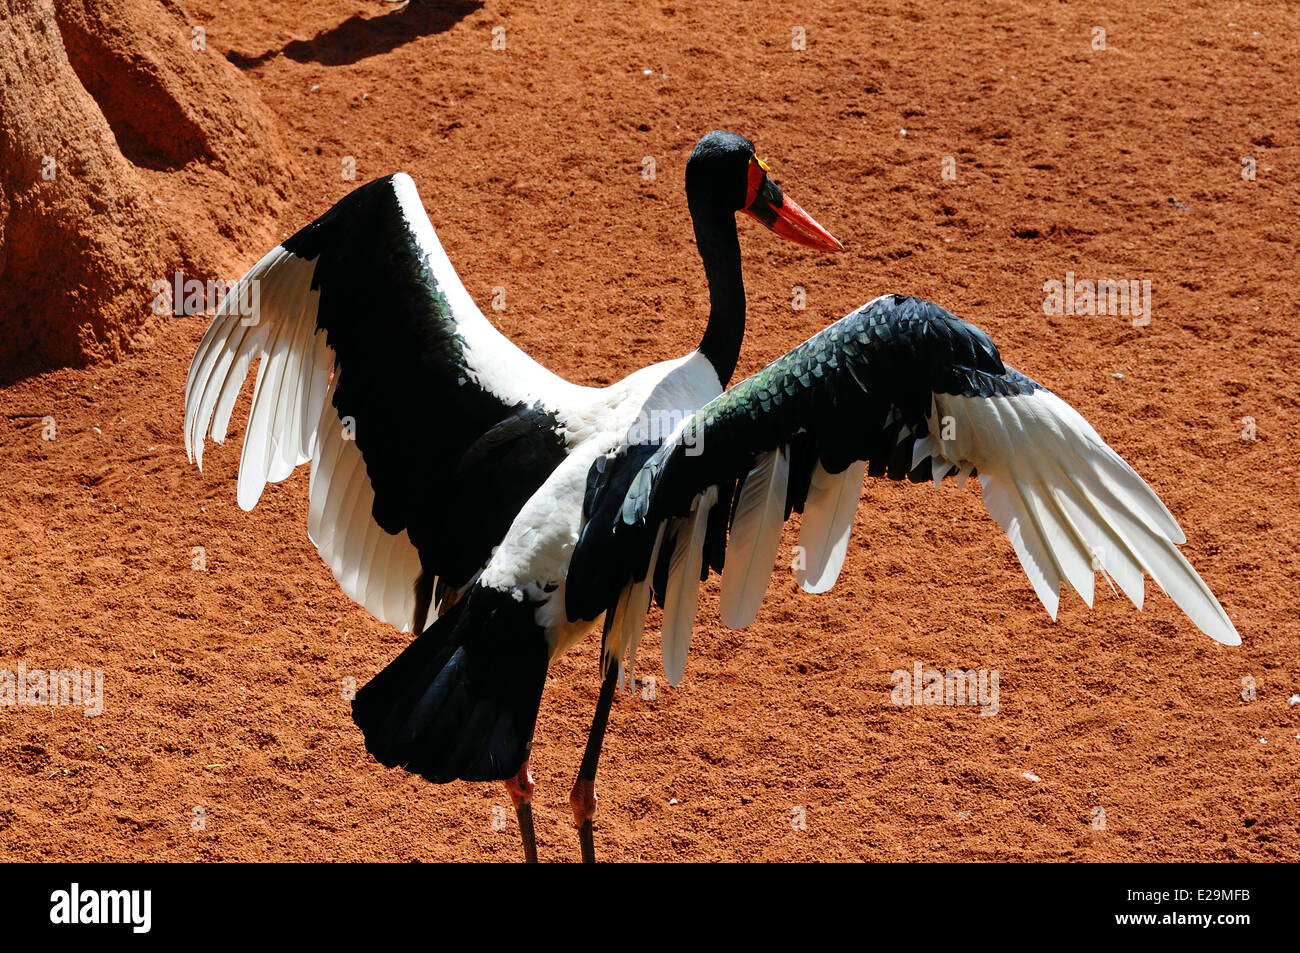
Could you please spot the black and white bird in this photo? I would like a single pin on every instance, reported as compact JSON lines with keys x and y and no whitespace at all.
{"x":461,"y":491}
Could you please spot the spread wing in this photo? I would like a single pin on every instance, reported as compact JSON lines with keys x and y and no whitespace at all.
{"x":900,"y":389}
{"x":425,"y":428}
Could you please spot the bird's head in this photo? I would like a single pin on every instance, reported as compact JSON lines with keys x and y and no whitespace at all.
{"x":724,"y":171}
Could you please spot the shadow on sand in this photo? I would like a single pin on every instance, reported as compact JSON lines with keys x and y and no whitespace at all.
{"x":359,"y":37}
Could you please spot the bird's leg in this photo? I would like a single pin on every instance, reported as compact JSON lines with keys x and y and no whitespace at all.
{"x":521,"y":793}
{"x":583,"y":796}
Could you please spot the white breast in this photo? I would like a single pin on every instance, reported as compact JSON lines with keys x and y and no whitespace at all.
{"x":532,"y":560}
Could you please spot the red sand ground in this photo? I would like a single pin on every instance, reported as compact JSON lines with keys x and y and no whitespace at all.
{"x":224,"y":687}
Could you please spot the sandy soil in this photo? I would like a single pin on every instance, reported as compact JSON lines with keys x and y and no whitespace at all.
{"x":223,"y":688}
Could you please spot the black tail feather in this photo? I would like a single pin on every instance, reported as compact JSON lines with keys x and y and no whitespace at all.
{"x":461,"y":700}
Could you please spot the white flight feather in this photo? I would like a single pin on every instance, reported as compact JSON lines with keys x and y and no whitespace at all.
{"x":754,"y":540}
{"x":827,"y":525}
{"x":682,"y":592}
{"x":292,"y":421}
{"x":629,"y":625}
{"x":1069,"y":504}
{"x":613,"y":646}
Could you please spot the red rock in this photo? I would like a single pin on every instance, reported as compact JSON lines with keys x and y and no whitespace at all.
{"x":114,"y":129}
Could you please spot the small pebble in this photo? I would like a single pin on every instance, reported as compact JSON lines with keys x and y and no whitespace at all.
{"x":1030,"y":776}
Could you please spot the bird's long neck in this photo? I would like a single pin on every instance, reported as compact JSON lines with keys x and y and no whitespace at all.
{"x":719,"y":247}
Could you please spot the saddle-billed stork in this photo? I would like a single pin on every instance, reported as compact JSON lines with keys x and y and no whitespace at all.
{"x":461,"y":491}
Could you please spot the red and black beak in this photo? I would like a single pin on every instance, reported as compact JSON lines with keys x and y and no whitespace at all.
{"x":766,"y":202}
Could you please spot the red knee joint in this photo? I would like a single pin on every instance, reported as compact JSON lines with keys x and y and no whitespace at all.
{"x":583,"y":800}
{"x":521,"y":786}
